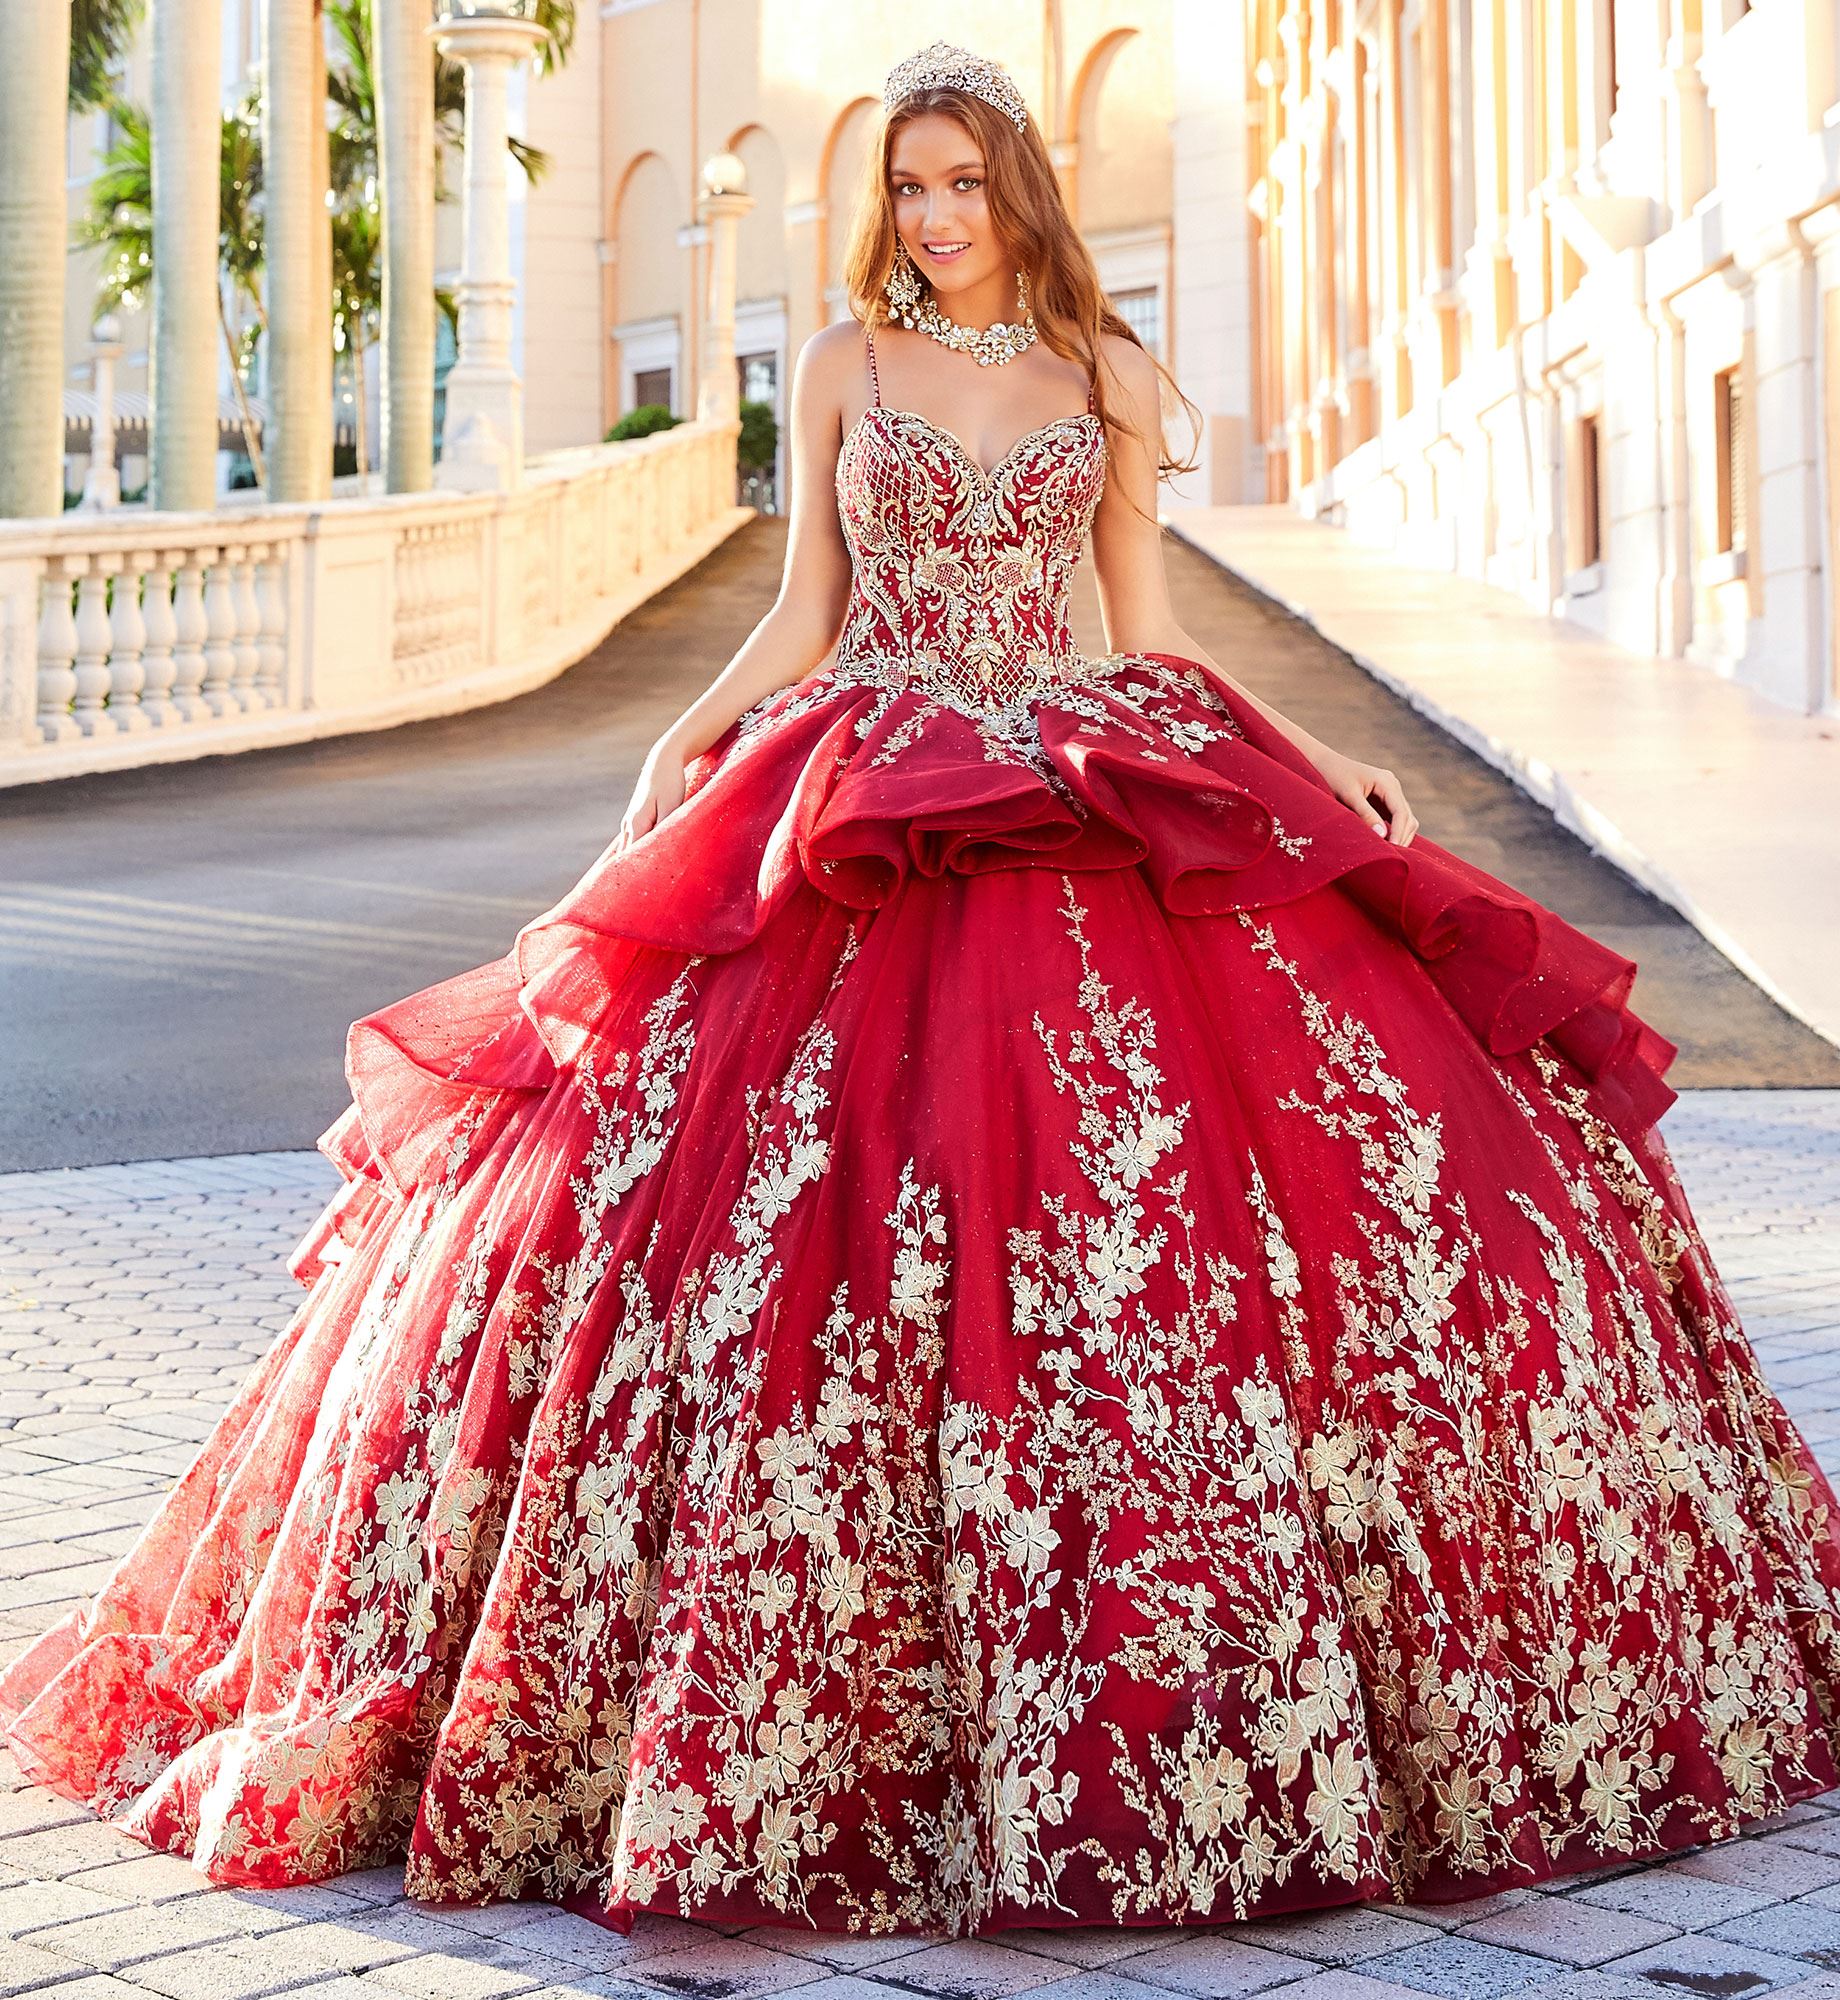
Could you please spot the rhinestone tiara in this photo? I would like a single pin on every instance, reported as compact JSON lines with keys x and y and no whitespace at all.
{"x":943,"y":67}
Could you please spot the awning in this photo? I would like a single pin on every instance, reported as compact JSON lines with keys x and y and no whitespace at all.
{"x":134,"y":409}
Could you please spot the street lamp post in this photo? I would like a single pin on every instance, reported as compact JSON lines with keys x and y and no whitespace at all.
{"x":482,"y":436}
{"x":725,"y":201}
{"x":102,"y":482}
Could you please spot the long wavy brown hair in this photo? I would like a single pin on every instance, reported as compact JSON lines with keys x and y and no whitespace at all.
{"x":1026,"y":205}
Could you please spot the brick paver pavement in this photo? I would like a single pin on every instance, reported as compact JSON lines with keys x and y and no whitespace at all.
{"x":134,"y":1299}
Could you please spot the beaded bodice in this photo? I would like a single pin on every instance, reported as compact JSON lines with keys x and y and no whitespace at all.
{"x":960,"y":576}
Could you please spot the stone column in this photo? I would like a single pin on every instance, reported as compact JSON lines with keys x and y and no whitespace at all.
{"x":299,"y":305}
{"x":725,"y":201}
{"x":1392,"y":341}
{"x":1325,"y":147}
{"x":183,"y":352}
{"x":1440,"y":300}
{"x":34,"y":66}
{"x":1360,"y":361}
{"x":482,"y":438}
{"x":102,"y":482}
{"x":405,"y":158}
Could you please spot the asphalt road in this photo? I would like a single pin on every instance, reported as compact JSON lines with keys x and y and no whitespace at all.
{"x":182,"y":948}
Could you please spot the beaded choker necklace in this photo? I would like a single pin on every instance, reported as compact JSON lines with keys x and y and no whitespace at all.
{"x":991,"y":345}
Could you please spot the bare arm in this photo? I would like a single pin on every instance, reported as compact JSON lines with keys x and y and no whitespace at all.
{"x":805,"y":618}
{"x":1133,"y":586}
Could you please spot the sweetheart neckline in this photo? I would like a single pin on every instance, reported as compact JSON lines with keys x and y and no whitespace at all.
{"x":988,"y":477}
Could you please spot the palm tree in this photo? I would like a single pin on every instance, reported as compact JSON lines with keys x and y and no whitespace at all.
{"x":357,"y":298}
{"x":100,"y":31}
{"x":296,"y":251}
{"x":181,"y":354}
{"x":357,"y":301}
{"x":120,"y":217}
{"x":34,"y":51}
{"x":404,"y":125}
{"x":239,"y":255}
{"x":120,"y":225}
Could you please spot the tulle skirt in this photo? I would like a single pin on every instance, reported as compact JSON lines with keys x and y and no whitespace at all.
{"x":1001,"y":1321}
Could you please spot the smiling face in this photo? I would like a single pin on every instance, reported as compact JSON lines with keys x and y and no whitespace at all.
{"x":936,"y":184}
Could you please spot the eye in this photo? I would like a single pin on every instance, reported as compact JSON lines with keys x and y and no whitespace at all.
{"x":969,"y":180}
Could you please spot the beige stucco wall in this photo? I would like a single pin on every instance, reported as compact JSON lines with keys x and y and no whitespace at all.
{"x":559,"y":221}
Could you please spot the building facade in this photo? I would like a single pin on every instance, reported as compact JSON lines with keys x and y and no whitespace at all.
{"x":793,"y":89}
{"x":1550,"y":295}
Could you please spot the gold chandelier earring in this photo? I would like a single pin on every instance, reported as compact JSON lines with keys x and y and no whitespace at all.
{"x":902,"y":286}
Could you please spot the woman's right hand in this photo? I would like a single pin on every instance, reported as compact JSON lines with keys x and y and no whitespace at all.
{"x":659,"y":790}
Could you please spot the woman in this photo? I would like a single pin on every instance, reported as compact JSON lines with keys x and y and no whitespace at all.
{"x":1023,"y":1308}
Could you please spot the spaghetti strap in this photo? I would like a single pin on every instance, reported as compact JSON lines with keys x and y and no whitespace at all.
{"x":875,"y":381}
{"x":1092,"y":390}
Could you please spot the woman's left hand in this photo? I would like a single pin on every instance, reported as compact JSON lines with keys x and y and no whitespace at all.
{"x":1359,"y":785}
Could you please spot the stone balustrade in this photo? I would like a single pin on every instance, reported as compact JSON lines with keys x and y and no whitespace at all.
{"x":134,"y":637}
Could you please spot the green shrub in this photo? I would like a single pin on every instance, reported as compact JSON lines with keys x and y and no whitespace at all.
{"x":642,"y":422}
{"x":758,"y":444}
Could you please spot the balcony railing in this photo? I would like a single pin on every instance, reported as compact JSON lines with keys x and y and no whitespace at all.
{"x":133,"y":637}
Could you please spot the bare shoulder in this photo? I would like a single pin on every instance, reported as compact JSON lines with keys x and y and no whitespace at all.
{"x":829,"y":379}
{"x":1130,"y":374}
{"x":830,"y":356}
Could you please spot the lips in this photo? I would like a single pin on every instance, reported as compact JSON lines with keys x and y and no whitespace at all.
{"x":945,"y":255}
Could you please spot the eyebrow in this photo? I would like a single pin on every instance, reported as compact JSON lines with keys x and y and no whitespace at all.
{"x":963,"y":167}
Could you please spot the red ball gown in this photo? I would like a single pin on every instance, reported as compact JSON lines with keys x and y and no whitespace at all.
{"x":1009,"y":1318}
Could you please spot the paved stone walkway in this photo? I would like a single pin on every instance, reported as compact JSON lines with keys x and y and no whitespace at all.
{"x":132,"y":1301}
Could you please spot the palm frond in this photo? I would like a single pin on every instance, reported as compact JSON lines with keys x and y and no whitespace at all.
{"x":533,"y":159}
{"x":351,"y":28}
{"x":557,"y":20}
{"x":119,"y":218}
{"x":100,"y":31}
{"x":239,"y":202}
{"x":357,"y":272}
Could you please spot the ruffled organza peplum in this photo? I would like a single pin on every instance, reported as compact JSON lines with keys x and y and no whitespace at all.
{"x":839,"y":783}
